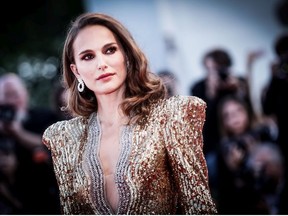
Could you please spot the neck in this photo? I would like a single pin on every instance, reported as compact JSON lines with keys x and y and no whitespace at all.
{"x":109,"y":111}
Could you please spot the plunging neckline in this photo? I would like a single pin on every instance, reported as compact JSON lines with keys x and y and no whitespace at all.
{"x":108,"y":154}
{"x":95,"y":168}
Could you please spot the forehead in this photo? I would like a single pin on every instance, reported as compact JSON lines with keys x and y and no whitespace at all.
{"x":209,"y":61}
{"x":11,"y":88}
{"x":95,"y":36}
{"x":11,"y":84}
{"x":232,"y":105}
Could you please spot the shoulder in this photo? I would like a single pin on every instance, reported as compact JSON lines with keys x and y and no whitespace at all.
{"x":63,"y":129}
{"x":182,"y":101}
{"x":187,"y":100}
{"x":181,"y":105}
{"x":65,"y":124}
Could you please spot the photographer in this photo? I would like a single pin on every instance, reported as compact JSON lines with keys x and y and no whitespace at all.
{"x":24,"y":126}
{"x":13,"y":111}
{"x":218,"y":82}
{"x":275,"y":97}
{"x":275,"y":100}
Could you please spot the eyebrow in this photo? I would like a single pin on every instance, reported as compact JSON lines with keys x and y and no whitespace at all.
{"x":109,"y":44}
{"x":105,"y":46}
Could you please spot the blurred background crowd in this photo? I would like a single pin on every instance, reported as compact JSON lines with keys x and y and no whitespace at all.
{"x":233,"y":55}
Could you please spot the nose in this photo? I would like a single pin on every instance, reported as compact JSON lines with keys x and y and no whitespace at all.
{"x":102,"y":67}
{"x":101,"y":64}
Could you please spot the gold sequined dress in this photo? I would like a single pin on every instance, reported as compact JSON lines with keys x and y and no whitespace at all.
{"x":161,"y":168}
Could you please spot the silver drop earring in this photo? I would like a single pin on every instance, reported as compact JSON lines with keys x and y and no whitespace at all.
{"x":80,"y":85}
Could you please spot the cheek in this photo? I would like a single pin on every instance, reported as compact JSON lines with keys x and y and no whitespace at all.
{"x":86,"y":71}
{"x":119,"y":65}
{"x":118,"y":61}
{"x":229,"y":122}
{"x":243,"y":118}
{"x":226,"y":122}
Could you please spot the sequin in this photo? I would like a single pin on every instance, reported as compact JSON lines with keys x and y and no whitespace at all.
{"x":161,"y":167}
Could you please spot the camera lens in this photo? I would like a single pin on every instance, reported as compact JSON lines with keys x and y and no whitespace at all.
{"x":7,"y":113}
{"x":223,"y":74}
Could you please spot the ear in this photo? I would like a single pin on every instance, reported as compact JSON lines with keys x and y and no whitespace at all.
{"x":73,"y":68}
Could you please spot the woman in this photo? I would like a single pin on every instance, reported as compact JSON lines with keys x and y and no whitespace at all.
{"x":128,"y":150}
{"x":241,"y":135}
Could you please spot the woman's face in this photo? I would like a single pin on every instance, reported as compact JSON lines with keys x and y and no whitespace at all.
{"x":234,"y":117}
{"x":99,"y":60}
{"x":210,"y":65}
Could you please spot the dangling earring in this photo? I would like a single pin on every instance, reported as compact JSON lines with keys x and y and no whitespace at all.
{"x":80,"y":85}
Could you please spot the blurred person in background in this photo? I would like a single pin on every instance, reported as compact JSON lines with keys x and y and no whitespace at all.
{"x":267,"y":165}
{"x":24,"y":125}
{"x":12,"y":194}
{"x":237,"y":121}
{"x":241,"y":133}
{"x":128,"y":150}
{"x":170,"y":81}
{"x":275,"y":99}
{"x":218,"y":82}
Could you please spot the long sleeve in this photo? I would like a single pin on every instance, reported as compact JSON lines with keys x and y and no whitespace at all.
{"x":161,"y":165}
{"x":53,"y":139}
{"x":184,"y":145}
{"x":64,"y":141}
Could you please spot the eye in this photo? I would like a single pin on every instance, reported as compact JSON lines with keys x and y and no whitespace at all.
{"x":87,"y":57}
{"x":111,"y":50}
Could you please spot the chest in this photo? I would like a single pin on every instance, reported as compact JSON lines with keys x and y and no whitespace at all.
{"x":135,"y":158}
{"x":109,"y":148}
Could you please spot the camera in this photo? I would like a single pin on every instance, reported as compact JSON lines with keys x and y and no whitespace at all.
{"x":223,"y":73}
{"x":7,"y":113}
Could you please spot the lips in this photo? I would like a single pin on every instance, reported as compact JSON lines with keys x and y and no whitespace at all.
{"x":102,"y":76}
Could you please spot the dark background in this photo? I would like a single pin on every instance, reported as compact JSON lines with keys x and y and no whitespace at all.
{"x":31,"y":41}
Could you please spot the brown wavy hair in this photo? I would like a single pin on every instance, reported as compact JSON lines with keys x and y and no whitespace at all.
{"x":143,"y":87}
